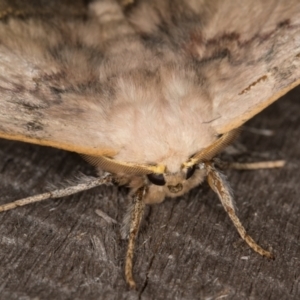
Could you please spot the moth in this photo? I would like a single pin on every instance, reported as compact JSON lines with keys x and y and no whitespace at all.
{"x":149,"y":92}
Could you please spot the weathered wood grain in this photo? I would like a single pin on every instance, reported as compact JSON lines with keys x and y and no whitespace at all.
{"x":187,"y":248}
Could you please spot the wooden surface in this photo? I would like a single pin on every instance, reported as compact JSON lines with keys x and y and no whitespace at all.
{"x":187,"y":248}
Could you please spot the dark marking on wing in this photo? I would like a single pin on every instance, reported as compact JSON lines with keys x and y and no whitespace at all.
{"x":34,"y":126}
{"x":247,"y":89}
{"x":284,"y":74}
{"x":28,"y":106}
{"x":284,"y":23}
{"x":24,"y":10}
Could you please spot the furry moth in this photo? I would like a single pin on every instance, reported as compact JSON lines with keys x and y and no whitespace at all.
{"x":147,"y":91}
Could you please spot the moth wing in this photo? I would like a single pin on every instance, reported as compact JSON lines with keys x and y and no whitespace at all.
{"x":259,"y":67}
{"x":248,"y":53}
{"x":54,"y":88}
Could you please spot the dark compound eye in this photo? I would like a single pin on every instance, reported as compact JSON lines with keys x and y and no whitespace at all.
{"x":157,"y":179}
{"x":190,"y":171}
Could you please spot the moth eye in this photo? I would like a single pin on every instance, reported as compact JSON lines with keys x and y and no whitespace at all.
{"x":157,"y":179}
{"x":190,"y":171}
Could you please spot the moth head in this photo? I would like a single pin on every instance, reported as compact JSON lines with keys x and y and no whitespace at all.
{"x":160,"y":181}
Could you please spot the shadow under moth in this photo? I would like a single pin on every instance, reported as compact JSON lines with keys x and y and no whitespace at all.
{"x":149,"y":92}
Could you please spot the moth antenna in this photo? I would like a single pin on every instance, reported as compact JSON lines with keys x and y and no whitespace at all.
{"x":251,"y":166}
{"x":215,"y":148}
{"x":117,"y":167}
{"x":136,"y":217}
{"x":219,"y":185}
{"x":88,"y":183}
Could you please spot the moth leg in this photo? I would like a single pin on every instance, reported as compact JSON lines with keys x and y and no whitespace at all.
{"x":136,"y":217}
{"x":218,"y":183}
{"x":86,"y":184}
{"x":251,"y":166}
